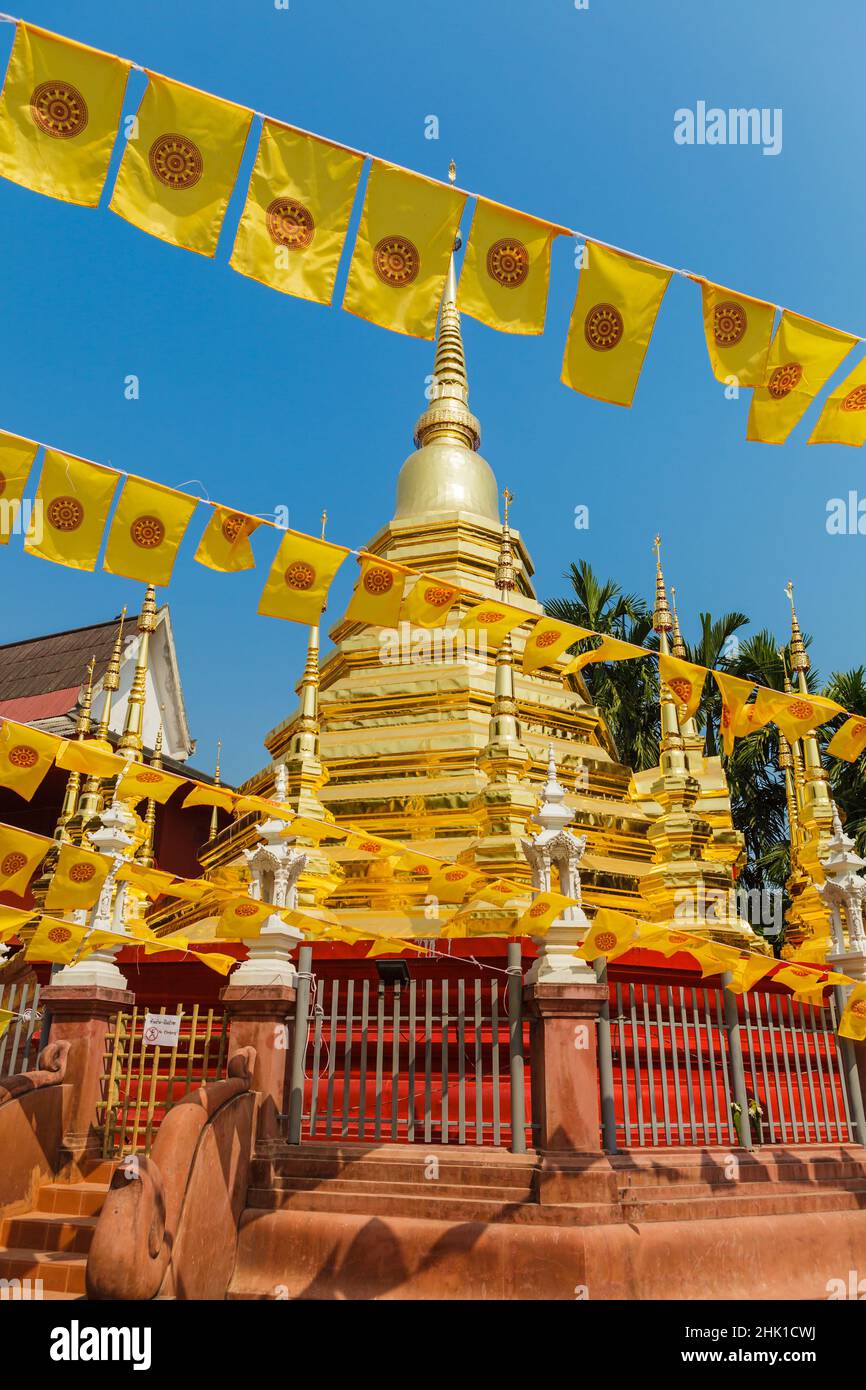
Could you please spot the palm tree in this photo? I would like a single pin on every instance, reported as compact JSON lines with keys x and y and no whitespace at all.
{"x":625,"y":691}
{"x":717,"y":643}
{"x":848,"y":780}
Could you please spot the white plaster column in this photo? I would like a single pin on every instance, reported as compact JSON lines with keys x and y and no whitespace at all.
{"x":844,"y":894}
{"x":554,"y":846}
{"x":275,"y":866}
{"x":99,"y":969}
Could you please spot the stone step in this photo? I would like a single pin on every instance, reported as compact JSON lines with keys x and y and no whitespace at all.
{"x":429,"y":1207}
{"x":401,"y":1165}
{"x":60,"y":1273}
{"x":43,"y":1230}
{"x":725,"y":1191}
{"x":684,"y":1208}
{"x":432,"y":1188}
{"x":72,"y":1199}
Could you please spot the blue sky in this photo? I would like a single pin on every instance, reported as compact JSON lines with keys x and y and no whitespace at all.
{"x":268,"y":400}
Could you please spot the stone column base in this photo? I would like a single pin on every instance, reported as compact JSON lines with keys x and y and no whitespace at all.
{"x":563,"y":1045}
{"x":262,"y":1017}
{"x":83,"y":1015}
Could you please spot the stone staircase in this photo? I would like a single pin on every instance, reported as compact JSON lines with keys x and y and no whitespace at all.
{"x":50,"y":1243}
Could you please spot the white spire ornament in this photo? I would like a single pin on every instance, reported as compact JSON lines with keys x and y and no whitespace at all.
{"x":556,"y":847}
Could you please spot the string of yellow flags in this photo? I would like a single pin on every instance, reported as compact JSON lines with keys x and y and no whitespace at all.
{"x":60,"y":113}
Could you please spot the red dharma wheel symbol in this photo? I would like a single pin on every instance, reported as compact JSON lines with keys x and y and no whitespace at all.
{"x":455,"y":875}
{"x":729,"y":324}
{"x":176,"y":161}
{"x":82,"y":873}
{"x":290,"y":224}
{"x":603,"y":327}
{"x":13,"y":864}
{"x":604,"y":941}
{"x":148,"y":776}
{"x":859,"y":1009}
{"x":681,"y":688}
{"x":488,"y":617}
{"x":800,"y":709}
{"x":784,"y":379}
{"x":438,"y":598}
{"x":22,"y":755}
{"x":147,"y":532}
{"x":421,"y":871}
{"x":232,"y":526}
{"x":59,"y":109}
{"x":396,"y":261}
{"x":539,"y":909}
{"x":858,"y":731}
{"x":677,"y":938}
{"x":65,"y":513}
{"x":370,"y":847}
{"x":246,"y":910}
{"x":378,"y":581}
{"x":855,"y":400}
{"x":300,"y":575}
{"x":59,"y":934}
{"x":547,"y":639}
{"x":508,"y":262}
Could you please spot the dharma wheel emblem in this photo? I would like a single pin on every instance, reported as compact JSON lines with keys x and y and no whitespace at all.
{"x":547,"y":639}
{"x":148,"y":777}
{"x":508,"y":262}
{"x":677,"y":938}
{"x":290,"y":224}
{"x":176,"y":161}
{"x":859,"y":1009}
{"x":82,"y":873}
{"x":681,"y":688}
{"x":421,"y":871}
{"x":784,"y":379}
{"x":603,"y":327}
{"x":855,"y":400}
{"x":488,"y":617}
{"x":438,"y":598}
{"x":605,"y":941}
{"x":59,"y":934}
{"x":232,"y":526}
{"x":300,"y":575}
{"x":246,"y":910}
{"x":65,"y":513}
{"x":726,"y":717}
{"x":369,"y":846}
{"x":59,"y":109}
{"x":13,"y":864}
{"x":858,"y":731}
{"x":378,"y":581}
{"x":455,"y":875}
{"x":539,"y":909}
{"x":801,"y":709}
{"x":396,"y":261}
{"x":147,"y":532}
{"x":729,"y":324}
{"x":22,"y":755}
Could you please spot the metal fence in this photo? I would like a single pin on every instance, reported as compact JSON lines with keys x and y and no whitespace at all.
{"x":431,"y":1060}
{"x":20,"y":1043}
{"x":141,"y":1082}
{"x":686,"y":1060}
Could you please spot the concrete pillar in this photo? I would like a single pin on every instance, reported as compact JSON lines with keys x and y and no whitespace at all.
{"x":563,"y":1046}
{"x":84,"y":1016}
{"x":262,"y":1017}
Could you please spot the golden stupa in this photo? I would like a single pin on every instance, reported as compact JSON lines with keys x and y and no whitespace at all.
{"x":416,"y":736}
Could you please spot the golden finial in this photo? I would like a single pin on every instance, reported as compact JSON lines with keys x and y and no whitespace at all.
{"x":678,"y":646}
{"x":509,"y":498}
{"x":133,"y":725}
{"x":504,"y":578}
{"x":82,"y":726}
{"x":799,"y":656}
{"x":216,"y":777}
{"x":661,"y":614}
{"x":214,"y":819}
{"x":452,"y":172}
{"x":324,"y":523}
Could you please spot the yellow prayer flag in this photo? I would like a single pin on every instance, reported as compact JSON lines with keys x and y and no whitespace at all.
{"x":211,"y":796}
{"x":225,"y":545}
{"x":849,"y":741}
{"x":506,"y":269}
{"x":806,"y":985}
{"x":89,"y":756}
{"x":609,"y":649}
{"x":25,"y":756}
{"x":803,"y":356}
{"x":77,"y":879}
{"x":378,"y":595}
{"x":176,"y":177}
{"x":500,"y":892}
{"x":452,"y":882}
{"x":175,"y":941}
{"x":58,"y":942}
{"x":59,"y":114}
{"x":297,"y":211}
{"x":214,"y":960}
{"x":373,"y":845}
{"x":735,"y":694}
{"x":6,"y":1017}
{"x":618,"y":298}
{"x":140,"y":781}
{"x":243,"y":917}
{"x":748,"y":971}
{"x":147,"y":529}
{"x":794,"y":715}
{"x":685,"y":681}
{"x":852,"y":1024}
{"x":12,"y":919}
{"x":74,"y":497}
{"x":389,"y":946}
{"x":261,"y":805}
{"x":400,"y":262}
{"x":738,"y":332}
{"x":542,"y":914}
{"x":493,"y":619}
{"x":16,"y":461}
{"x":429,"y":602}
{"x":843,"y":419}
{"x":548,"y":640}
{"x":300,"y":577}
{"x":316,"y":830}
{"x":611,"y":934}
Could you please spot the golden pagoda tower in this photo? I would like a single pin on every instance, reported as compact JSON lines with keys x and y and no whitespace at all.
{"x":145,"y":854}
{"x":91,"y":797}
{"x":130,"y":743}
{"x":808,"y":928}
{"x":73,"y":782}
{"x":690,"y":885}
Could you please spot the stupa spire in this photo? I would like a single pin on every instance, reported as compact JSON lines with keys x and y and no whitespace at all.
{"x":663,"y":625}
{"x":214,"y":818}
{"x":145,"y":853}
{"x":133,"y":726}
{"x":73,"y":782}
{"x":90,"y":797}
{"x":448,"y":417}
